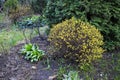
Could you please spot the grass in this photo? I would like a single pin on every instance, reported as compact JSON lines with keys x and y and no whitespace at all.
{"x":11,"y":36}
{"x":4,"y":18}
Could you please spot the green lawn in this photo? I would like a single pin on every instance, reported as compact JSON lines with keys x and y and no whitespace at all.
{"x":11,"y":36}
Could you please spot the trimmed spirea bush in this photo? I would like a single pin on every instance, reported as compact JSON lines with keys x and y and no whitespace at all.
{"x":76,"y":40}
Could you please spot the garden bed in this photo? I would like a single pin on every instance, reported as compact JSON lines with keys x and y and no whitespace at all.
{"x":15,"y":67}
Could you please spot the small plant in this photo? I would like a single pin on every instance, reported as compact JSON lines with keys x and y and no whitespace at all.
{"x":29,"y":22}
{"x":72,"y":75}
{"x":87,"y":71}
{"x":34,"y":22}
{"x":32,"y":52}
{"x":62,"y":70}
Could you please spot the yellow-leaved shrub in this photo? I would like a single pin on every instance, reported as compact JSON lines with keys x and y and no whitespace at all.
{"x":76,"y":40}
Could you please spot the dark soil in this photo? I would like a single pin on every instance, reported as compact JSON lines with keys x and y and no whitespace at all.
{"x":14,"y":67}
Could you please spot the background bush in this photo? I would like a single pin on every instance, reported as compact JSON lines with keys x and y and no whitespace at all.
{"x":75,"y":40}
{"x":21,"y":11}
{"x":31,"y":22}
{"x":104,"y":14}
{"x":24,"y":2}
{"x":11,"y":5}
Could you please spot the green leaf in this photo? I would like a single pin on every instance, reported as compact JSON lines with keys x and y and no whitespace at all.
{"x":28,"y":47}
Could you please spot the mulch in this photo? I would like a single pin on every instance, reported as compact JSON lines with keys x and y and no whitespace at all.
{"x":13,"y":66}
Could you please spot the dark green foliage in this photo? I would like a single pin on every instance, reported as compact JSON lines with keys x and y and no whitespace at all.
{"x":32,"y":52}
{"x":34,"y":21}
{"x":104,"y":14}
{"x":59,"y":10}
{"x":38,"y":5}
{"x":28,"y":22}
{"x":24,"y":2}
